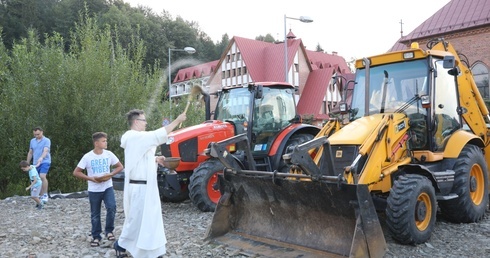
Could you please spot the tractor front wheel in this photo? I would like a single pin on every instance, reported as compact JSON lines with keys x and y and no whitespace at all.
{"x":294,"y":141}
{"x":203,"y":186}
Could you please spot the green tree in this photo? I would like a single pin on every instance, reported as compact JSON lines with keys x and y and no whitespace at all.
{"x":221,"y":45}
{"x":319,"y":48}
{"x":158,"y":31}
{"x":267,"y":38}
{"x":71,"y":95}
{"x":75,"y":76}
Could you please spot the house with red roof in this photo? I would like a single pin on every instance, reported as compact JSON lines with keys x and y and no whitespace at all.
{"x":466,"y":25}
{"x":188,"y":77}
{"x":245,"y":61}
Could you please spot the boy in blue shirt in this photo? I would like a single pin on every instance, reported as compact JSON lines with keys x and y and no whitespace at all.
{"x":36,"y":183}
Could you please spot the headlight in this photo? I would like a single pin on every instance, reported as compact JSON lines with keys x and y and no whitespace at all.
{"x":408,"y":55}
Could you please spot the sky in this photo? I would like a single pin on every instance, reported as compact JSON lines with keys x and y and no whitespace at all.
{"x":352,"y":28}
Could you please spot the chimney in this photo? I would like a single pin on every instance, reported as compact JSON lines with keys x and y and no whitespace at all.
{"x":334,"y":53}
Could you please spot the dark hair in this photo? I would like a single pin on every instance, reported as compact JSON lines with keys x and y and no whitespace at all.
{"x":133,"y":114}
{"x":37,"y":128}
{"x":96,"y":136}
{"x":24,"y":164}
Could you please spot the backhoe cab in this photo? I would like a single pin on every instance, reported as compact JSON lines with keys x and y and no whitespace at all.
{"x":417,"y":140}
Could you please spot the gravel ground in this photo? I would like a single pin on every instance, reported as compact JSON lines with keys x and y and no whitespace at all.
{"x":62,"y":230}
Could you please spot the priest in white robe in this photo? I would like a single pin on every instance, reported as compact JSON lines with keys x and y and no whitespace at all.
{"x":143,"y":233}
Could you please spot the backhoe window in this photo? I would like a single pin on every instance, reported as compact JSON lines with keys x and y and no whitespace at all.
{"x":393,"y":87}
{"x":446,"y":120}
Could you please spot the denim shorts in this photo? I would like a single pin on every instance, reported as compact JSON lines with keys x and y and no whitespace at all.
{"x":43,"y":168}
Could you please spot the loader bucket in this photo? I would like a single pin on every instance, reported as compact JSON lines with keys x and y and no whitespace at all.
{"x":295,"y":218}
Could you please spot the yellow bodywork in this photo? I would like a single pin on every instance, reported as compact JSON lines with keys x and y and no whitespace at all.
{"x":383,"y":137}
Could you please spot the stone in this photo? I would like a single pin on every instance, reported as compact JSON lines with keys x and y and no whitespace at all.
{"x":62,"y":230}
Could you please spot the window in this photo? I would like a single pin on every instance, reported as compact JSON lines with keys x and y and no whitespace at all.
{"x":480,"y":74}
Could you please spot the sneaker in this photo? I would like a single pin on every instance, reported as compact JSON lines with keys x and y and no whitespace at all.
{"x":45,"y":198}
{"x":37,"y":205}
{"x":40,"y":206}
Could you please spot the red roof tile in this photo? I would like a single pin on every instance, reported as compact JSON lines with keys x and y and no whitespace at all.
{"x":315,"y":90}
{"x":324,"y":60}
{"x":313,"y":93}
{"x":196,"y":71}
{"x":264,"y":60}
{"x":290,"y":35}
{"x":454,"y":16}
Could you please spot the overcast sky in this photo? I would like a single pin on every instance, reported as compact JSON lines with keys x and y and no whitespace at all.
{"x":352,"y":28}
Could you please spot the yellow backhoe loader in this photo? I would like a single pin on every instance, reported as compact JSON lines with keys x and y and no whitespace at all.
{"x":417,"y":140}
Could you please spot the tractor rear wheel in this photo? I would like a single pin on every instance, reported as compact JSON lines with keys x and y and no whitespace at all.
{"x":411,"y":209}
{"x":203,"y":186}
{"x":471,"y":186}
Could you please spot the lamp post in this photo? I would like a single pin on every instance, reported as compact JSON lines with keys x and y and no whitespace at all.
{"x":304,"y":19}
{"x":189,"y":50}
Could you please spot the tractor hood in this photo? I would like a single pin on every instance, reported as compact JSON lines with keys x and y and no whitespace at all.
{"x":203,"y":131}
{"x":188,"y":142}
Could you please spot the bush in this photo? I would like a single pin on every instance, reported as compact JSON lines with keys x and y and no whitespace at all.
{"x":70,"y":95}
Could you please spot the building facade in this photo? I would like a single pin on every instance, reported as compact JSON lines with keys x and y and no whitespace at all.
{"x":186,"y":78}
{"x":245,"y":61}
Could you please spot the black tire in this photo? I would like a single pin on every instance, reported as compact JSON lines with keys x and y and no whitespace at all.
{"x":411,"y":209}
{"x":174,"y":196}
{"x":294,"y":141}
{"x":471,"y":186}
{"x":180,"y":197}
{"x":175,"y":192}
{"x":202,"y":191}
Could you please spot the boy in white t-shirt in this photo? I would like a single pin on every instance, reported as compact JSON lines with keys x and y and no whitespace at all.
{"x":98,"y":163}
{"x":36,"y":182}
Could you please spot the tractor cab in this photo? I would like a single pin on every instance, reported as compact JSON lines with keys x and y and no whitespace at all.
{"x":261,"y":110}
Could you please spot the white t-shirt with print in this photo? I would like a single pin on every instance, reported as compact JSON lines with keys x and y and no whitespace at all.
{"x":98,"y":165}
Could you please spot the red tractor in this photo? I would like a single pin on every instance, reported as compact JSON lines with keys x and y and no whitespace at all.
{"x":264,"y":112}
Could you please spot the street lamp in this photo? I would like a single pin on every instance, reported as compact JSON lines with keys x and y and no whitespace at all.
{"x":304,"y":19}
{"x":189,"y":50}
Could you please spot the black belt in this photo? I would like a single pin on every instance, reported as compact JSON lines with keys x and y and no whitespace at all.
{"x":141,"y":182}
